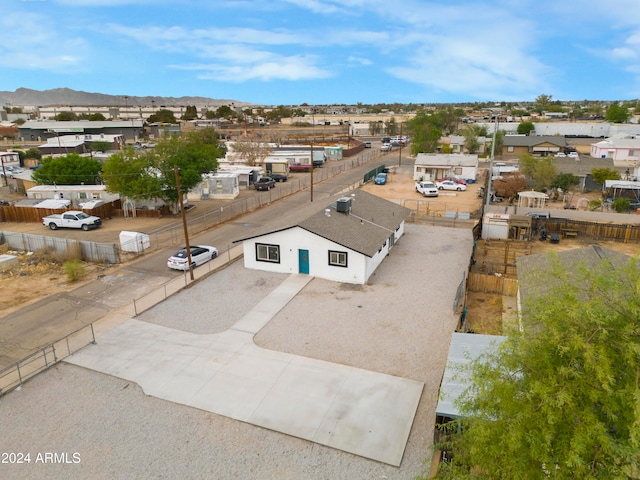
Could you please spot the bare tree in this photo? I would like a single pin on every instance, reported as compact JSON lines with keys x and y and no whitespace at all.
{"x":252,"y":150}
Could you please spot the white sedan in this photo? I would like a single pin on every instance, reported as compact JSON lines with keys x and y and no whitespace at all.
{"x":451,"y":185}
{"x":199,"y":254}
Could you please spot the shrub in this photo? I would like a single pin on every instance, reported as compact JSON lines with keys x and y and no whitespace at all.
{"x":74,"y":269}
{"x":621,"y":205}
{"x":594,"y":205}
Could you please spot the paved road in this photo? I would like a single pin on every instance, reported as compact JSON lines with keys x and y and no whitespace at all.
{"x":42,"y":322}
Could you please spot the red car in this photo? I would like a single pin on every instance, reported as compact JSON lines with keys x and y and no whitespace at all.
{"x":299,"y":167}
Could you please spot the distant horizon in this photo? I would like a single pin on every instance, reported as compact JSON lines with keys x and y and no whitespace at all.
{"x":128,"y":99}
{"x":327,"y":52}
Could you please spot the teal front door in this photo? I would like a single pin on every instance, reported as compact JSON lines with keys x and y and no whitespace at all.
{"x":303,"y":261}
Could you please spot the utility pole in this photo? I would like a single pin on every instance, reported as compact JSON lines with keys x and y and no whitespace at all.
{"x":311,"y":170}
{"x":184,"y":222}
{"x":493,"y":151}
{"x":400,"y":151}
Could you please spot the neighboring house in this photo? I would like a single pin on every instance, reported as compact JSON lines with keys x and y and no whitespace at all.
{"x":622,"y":147}
{"x":344,"y":243}
{"x":581,"y":167}
{"x":433,"y":166}
{"x":42,"y":130}
{"x":246,"y":175}
{"x":63,"y":144}
{"x":220,"y":185}
{"x":536,"y":145}
{"x":456,"y":142}
{"x":77,"y":194}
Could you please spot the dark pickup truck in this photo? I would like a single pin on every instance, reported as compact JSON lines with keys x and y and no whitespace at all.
{"x":265,"y":183}
{"x":299,"y":167}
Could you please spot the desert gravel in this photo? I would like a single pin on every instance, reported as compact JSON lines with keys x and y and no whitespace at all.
{"x":400,"y":324}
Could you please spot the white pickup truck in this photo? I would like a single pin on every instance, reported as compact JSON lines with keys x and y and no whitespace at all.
{"x":71,"y":219}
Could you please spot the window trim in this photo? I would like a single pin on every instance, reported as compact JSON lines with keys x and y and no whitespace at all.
{"x":338,"y":254}
{"x":268,"y":246}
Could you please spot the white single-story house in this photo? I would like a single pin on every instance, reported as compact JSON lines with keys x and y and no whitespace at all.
{"x":246,"y":175}
{"x":622,"y":147}
{"x":432,"y":166}
{"x":221,"y":185}
{"x":75,"y":193}
{"x":457,"y":144}
{"x":65,"y":144}
{"x":344,"y":242}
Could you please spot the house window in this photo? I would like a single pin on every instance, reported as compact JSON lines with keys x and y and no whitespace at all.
{"x":634,"y":153}
{"x":510,"y":149}
{"x":457,"y":171}
{"x":337,"y":259}
{"x":267,"y":253}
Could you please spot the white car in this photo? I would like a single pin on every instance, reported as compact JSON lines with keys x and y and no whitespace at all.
{"x":386,"y":147}
{"x":574,"y":155}
{"x":560,"y":155}
{"x":427,"y":189}
{"x":451,"y":185}
{"x":199,"y":254}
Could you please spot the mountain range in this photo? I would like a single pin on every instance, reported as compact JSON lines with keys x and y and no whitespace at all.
{"x":65,"y":96}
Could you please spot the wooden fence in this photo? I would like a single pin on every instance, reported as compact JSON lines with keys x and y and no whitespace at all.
{"x":593,"y":230}
{"x":478,"y":282}
{"x":15,"y":214}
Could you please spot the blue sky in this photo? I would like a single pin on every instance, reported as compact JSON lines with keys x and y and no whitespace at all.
{"x":281,"y":52}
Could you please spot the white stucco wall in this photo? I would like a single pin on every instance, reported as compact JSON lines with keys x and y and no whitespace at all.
{"x":292,"y":240}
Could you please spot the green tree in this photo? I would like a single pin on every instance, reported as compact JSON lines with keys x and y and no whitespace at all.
{"x":565,"y":181}
{"x":540,"y":170}
{"x":471,"y":142}
{"x":600,"y":175}
{"x":92,"y":117}
{"x":65,"y":117}
{"x":190,"y":113}
{"x":162,"y":116}
{"x":375,"y":128}
{"x":391,"y":126}
{"x":617,"y":113}
{"x":148,"y":174}
{"x":71,"y":169}
{"x":621,"y":205}
{"x":559,"y":400}
{"x":525,"y":128}
{"x":542,"y":103}
{"x":30,"y":153}
{"x":101,"y":146}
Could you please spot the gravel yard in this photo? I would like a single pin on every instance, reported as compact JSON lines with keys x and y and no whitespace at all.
{"x":400,"y":324}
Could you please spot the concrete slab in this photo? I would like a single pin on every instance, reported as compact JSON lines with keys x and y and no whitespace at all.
{"x":365,"y":413}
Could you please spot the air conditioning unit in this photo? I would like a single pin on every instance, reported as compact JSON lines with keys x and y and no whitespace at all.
{"x":343,"y":205}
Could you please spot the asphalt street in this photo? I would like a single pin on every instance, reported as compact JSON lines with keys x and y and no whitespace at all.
{"x":51,"y":318}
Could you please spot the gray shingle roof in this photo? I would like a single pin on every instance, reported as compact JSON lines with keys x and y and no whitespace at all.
{"x":530,"y":141}
{"x":364,"y":229}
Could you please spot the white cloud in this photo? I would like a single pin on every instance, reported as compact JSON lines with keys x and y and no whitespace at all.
{"x":275,"y":68}
{"x":38,"y":45}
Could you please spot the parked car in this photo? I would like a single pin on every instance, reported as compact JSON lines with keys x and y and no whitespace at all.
{"x":560,"y":155}
{"x":453,"y":179}
{"x":427,"y":189}
{"x":265,"y":183}
{"x":573,"y":155}
{"x":278,"y":177}
{"x":299,"y":167}
{"x":381,"y":179}
{"x":367,"y":144}
{"x":386,"y":147}
{"x":451,"y":185}
{"x":199,"y":254}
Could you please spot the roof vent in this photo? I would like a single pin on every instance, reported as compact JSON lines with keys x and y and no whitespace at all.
{"x":343,"y":205}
